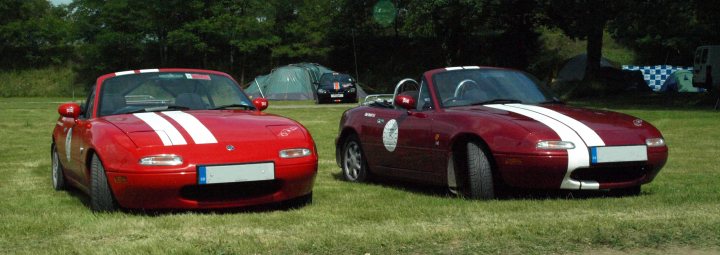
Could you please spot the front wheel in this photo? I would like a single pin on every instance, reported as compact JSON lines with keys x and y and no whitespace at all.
{"x":101,"y":198}
{"x":478,"y":182}
{"x":58,"y":178}
{"x":354,"y":167}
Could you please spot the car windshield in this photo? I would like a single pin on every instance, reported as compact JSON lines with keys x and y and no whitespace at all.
{"x":330,"y":80}
{"x":169,"y":91}
{"x":486,"y":86}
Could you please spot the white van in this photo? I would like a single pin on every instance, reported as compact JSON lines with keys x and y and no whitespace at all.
{"x":706,"y":69}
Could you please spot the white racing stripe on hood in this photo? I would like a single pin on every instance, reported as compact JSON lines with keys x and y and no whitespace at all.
{"x":578,"y":157}
{"x":199,"y":133}
{"x":588,"y":135}
{"x":164,"y":129}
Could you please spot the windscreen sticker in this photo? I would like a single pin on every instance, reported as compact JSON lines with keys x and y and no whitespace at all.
{"x":195,"y":76}
{"x":390,"y":135}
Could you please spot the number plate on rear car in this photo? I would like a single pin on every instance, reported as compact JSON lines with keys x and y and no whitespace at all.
{"x":336,"y":95}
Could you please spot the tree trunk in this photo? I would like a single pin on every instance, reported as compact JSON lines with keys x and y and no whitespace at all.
{"x":594,"y":53}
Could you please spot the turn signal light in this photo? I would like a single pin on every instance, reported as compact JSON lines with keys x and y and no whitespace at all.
{"x":555,"y":145}
{"x":161,"y":160}
{"x":655,"y":142}
{"x":294,"y":153}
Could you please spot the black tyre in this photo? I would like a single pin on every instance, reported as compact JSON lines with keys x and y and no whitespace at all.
{"x":101,"y":198}
{"x":58,"y":177}
{"x":298,"y":202}
{"x":354,"y":166}
{"x":478,"y":182}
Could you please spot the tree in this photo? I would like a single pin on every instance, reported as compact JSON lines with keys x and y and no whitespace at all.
{"x":584,"y":19}
{"x":33,"y":34}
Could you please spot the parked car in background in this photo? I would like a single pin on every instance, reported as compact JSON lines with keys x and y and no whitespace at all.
{"x":473,"y":128}
{"x":706,"y":67}
{"x":179,"y":138}
{"x":337,"y":88}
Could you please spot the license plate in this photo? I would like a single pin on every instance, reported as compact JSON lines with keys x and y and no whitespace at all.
{"x":336,"y":95}
{"x":618,"y":154}
{"x":236,"y":173}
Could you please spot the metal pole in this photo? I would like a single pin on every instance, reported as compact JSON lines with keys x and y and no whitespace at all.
{"x":357,"y":75}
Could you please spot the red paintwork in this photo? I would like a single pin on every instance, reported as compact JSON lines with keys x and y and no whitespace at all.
{"x":121,"y":140}
{"x":426,"y":138}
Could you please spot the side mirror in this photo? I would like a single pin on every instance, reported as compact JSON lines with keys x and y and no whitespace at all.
{"x":69,"y":110}
{"x":405,"y":101}
{"x":261,"y":103}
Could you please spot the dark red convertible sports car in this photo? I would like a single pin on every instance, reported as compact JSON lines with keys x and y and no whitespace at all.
{"x":472,"y":128}
{"x":179,"y":138}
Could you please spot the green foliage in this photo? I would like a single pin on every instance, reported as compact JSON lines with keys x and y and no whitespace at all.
{"x":41,"y":82}
{"x":33,"y":34}
{"x":666,"y":31}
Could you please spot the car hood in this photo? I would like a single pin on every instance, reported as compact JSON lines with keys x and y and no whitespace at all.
{"x":207,"y":129}
{"x":611,"y":127}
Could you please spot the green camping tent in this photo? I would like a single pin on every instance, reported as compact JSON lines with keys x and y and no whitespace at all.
{"x":283,"y":83}
{"x":680,"y":81}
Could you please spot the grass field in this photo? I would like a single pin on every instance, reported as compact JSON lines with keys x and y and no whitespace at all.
{"x":677,"y":213}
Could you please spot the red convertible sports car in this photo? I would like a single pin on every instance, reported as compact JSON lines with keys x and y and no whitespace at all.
{"x":473,"y":128}
{"x":179,"y":138}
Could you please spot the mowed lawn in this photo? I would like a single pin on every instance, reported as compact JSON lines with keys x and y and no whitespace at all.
{"x":679,"y":212}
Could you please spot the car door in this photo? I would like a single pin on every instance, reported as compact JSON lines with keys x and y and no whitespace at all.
{"x":76,"y":140}
{"x":401,"y":141}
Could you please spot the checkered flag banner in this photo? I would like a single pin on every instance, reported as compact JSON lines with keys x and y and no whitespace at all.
{"x":655,"y":76}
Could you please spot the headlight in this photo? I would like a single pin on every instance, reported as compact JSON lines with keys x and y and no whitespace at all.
{"x":655,"y":142}
{"x":322,"y":91}
{"x":161,"y":160}
{"x":351,"y":90}
{"x":555,"y":145}
{"x":294,"y":153}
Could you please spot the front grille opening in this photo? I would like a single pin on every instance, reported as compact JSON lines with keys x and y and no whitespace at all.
{"x":230,"y":191}
{"x":610,"y":174}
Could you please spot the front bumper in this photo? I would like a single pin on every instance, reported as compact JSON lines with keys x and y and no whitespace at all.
{"x":550,"y":172}
{"x":179,"y":188}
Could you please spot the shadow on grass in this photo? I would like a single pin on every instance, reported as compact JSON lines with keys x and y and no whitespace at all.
{"x":264,"y":208}
{"x":502,"y":192}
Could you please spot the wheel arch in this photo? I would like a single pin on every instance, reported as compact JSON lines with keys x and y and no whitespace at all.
{"x":458,"y":150}
{"x":344,"y":134}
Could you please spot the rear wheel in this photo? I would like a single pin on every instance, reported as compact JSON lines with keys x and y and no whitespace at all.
{"x":478,"y":183}
{"x":101,"y":198}
{"x":58,"y":179}
{"x":354,"y":166}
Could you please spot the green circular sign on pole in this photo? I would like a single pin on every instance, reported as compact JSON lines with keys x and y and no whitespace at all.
{"x":384,"y":12}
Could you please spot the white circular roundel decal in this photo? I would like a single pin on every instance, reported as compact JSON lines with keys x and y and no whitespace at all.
{"x":390,"y":135}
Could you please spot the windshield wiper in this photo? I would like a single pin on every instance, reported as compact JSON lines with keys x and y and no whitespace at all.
{"x":499,"y":101}
{"x":233,"y":105}
{"x":552,"y":101}
{"x":159,"y":108}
